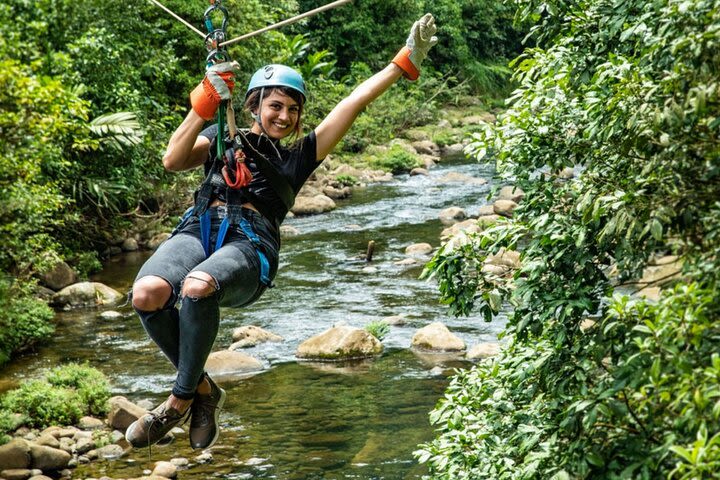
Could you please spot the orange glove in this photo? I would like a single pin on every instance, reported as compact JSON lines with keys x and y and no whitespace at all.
{"x":420,"y":40}
{"x":217,"y":86}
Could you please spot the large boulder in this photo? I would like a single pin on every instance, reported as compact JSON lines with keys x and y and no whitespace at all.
{"x":15,"y":454}
{"x":340,"y":343}
{"x":312,"y":205}
{"x":86,"y":294}
{"x":250,"y":335}
{"x":48,"y":458}
{"x":427,"y":147}
{"x":483,"y":350}
{"x":226,"y":363}
{"x":454,"y":150}
{"x":59,"y":277}
{"x":504,"y":258}
{"x":469,"y":226}
{"x":504,"y":207}
{"x":123,"y":412}
{"x":419,"y":249}
{"x":452,"y":215}
{"x":437,"y":337}
{"x":511,"y":193}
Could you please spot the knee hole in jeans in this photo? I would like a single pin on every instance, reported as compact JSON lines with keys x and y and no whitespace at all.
{"x":199,"y":285}
{"x":151,"y":293}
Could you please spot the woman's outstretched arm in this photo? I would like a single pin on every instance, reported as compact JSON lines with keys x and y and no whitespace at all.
{"x":406,"y":62}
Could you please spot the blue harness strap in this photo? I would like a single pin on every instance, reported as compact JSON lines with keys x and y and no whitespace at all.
{"x":247,"y":229}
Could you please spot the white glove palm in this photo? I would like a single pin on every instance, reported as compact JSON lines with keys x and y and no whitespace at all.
{"x":421,"y":39}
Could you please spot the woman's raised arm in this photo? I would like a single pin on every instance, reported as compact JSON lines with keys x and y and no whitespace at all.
{"x":406,"y":62}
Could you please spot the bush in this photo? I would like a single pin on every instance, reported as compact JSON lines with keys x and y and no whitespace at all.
{"x":65,"y":395}
{"x":24,"y":320}
{"x":396,"y":160}
{"x":378,"y":329}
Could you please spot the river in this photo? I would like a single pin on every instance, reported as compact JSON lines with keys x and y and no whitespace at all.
{"x":302,"y":420}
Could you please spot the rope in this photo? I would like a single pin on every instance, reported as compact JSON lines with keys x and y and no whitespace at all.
{"x":177,"y":17}
{"x":286,"y":22}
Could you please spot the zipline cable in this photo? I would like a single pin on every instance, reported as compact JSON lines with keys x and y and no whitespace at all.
{"x":289,"y":21}
{"x":177,"y":17}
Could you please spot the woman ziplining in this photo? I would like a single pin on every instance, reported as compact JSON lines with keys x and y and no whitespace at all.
{"x":224,"y":252}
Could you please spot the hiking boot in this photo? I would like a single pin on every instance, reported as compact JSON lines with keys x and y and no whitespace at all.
{"x":152,"y":427}
{"x":204,"y":429}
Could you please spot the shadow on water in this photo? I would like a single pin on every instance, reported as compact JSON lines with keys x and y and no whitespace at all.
{"x":303,"y":420}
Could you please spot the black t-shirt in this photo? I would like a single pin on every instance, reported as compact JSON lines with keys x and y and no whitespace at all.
{"x":295,"y":165}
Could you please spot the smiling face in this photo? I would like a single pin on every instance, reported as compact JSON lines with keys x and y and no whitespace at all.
{"x":280,"y":115}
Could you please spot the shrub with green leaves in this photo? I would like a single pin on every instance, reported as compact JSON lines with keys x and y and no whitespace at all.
{"x":396,"y":160}
{"x":629,"y":93}
{"x":61,"y":398}
{"x":24,"y":320}
{"x":378,"y":329}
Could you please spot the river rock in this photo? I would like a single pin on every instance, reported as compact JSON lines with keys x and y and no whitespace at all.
{"x":86,"y":294}
{"x":406,"y":262}
{"x":428,"y":161}
{"x":91,"y":423}
{"x":456,"y":177}
{"x":486,"y":210}
{"x":418,"y":171}
{"x":226,"y":363}
{"x":15,"y":454}
{"x":504,"y":258}
{"x":47,"y":440}
{"x":157,"y":240}
{"x":469,"y":226}
{"x":483,"y":350}
{"x":427,"y":147}
{"x":110,"y":452}
{"x":504,"y":207}
{"x":84,"y":445}
{"x":416,"y":134}
{"x":437,"y":337}
{"x":16,"y":474}
{"x":336,"y":193}
{"x":250,"y":335}
{"x":486,"y":221}
{"x":312,"y":205}
{"x":511,"y":193}
{"x":59,"y":277}
{"x":67,"y":444}
{"x":454,"y":150}
{"x":339,"y":343}
{"x":419,"y":249}
{"x":129,"y":245}
{"x":48,"y":458}
{"x":180,"y":462}
{"x":452,"y":215}
{"x":396,"y":320}
{"x":661,"y":270}
{"x":165,"y":469}
{"x":123,"y":412}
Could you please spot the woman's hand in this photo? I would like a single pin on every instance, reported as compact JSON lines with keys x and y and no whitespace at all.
{"x":421,"y":39}
{"x":217,"y":86}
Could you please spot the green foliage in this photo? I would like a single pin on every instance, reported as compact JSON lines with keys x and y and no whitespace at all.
{"x":629,"y":94}
{"x":24,"y":320}
{"x":346,"y":180}
{"x":378,"y":329}
{"x":9,"y":422}
{"x":62,"y":398}
{"x":396,"y":160}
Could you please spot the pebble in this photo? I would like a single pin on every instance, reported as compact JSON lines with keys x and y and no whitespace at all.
{"x":204,"y":458}
{"x":180,"y":462}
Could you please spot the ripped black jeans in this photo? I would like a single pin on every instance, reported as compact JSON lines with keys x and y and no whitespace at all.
{"x":186,"y":334}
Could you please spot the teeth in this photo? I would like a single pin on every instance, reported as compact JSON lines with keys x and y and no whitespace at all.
{"x":280,"y":125}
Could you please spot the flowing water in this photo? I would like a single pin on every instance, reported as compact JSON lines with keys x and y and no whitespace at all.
{"x":304,"y":420}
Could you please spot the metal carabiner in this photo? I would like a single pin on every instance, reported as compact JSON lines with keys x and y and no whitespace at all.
{"x":208,"y":21}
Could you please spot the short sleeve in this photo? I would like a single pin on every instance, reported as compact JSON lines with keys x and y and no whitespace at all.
{"x":210,"y":132}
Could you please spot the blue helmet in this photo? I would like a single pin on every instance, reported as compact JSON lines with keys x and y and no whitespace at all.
{"x":277,"y":75}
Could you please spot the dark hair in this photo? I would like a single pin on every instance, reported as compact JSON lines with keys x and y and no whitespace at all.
{"x":252,"y":102}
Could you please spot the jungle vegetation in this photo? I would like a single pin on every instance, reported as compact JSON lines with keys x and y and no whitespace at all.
{"x":593,"y":380}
